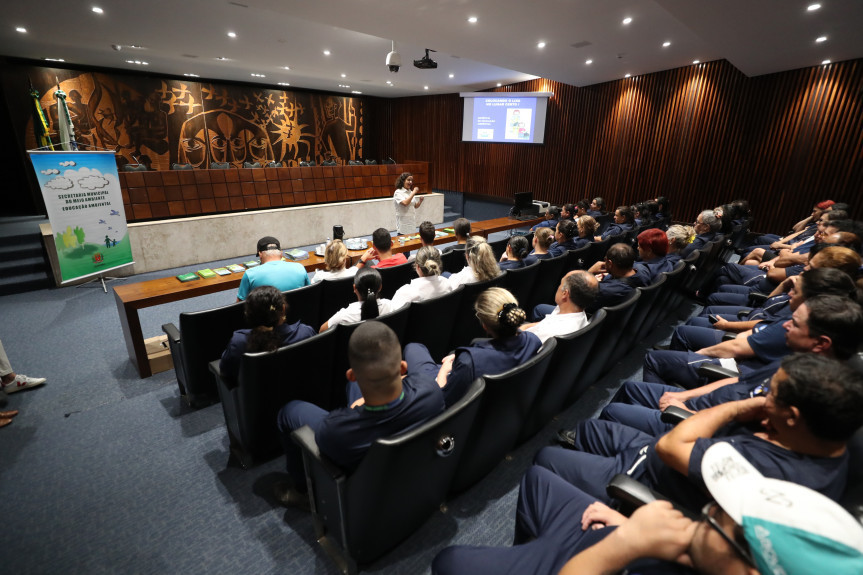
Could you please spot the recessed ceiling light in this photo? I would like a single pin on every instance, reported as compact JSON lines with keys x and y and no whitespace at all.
{"x":821,"y":39}
{"x":284,"y":84}
{"x":425,"y":87}
{"x":588,"y":62}
{"x":258,"y":75}
{"x":627,"y":20}
{"x":472,"y":19}
{"x":541,"y":45}
{"x":232,"y":34}
{"x":222,"y":58}
{"x":326,"y":52}
{"x":286,"y":67}
{"x":21,"y":29}
{"x":54,"y":60}
{"x":136,"y":46}
{"x":389,"y":82}
{"x":499,"y":84}
{"x":666,"y":44}
{"x":344,"y":75}
{"x":96,"y":9}
{"x":355,"y":92}
{"x":191,"y":75}
{"x":813,"y":7}
{"x":825,"y":62}
{"x":627,"y":76}
{"x":696,"y":61}
{"x":138,"y":62}
{"x":344,"y":86}
{"x":452,"y":75}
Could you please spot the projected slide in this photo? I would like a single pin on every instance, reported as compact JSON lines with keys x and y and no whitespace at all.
{"x":511,"y":118}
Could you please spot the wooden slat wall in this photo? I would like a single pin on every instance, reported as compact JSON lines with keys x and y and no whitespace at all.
{"x":701,"y":135}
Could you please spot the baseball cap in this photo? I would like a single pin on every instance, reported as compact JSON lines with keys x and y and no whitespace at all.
{"x":791,"y":529}
{"x":268,"y":243}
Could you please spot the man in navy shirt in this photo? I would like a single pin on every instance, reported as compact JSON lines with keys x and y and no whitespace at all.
{"x":617,"y":278}
{"x":624,"y":220}
{"x":387,"y":405}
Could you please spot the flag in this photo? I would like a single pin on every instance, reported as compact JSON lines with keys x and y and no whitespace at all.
{"x":66,"y":130}
{"x":40,"y":123}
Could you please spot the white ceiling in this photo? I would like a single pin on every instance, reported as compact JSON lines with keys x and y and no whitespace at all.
{"x":756,"y":36}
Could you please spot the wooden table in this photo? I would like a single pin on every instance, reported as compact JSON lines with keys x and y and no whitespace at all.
{"x":132,"y":297}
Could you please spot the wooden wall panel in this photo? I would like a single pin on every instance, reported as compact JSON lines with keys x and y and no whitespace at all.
{"x":701,"y":135}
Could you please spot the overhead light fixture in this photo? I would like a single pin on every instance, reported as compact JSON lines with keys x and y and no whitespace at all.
{"x":96,"y":9}
{"x":344,"y":75}
{"x":21,"y":29}
{"x":326,"y":52}
{"x":696,"y":61}
{"x":820,"y":39}
{"x":588,"y":62}
{"x":344,"y":85}
{"x":541,"y":45}
{"x":813,"y":7}
{"x":258,"y":75}
{"x":472,"y":19}
{"x":286,"y":67}
{"x":222,"y":59}
{"x":452,"y":75}
{"x":284,"y":84}
{"x":137,"y":62}
{"x":389,"y":82}
{"x":666,"y":44}
{"x":627,"y":20}
{"x":54,"y":60}
{"x":627,"y":75}
{"x":425,"y":87}
{"x":192,"y":75}
{"x":825,"y":62}
{"x":499,"y":84}
{"x":355,"y":92}
{"x":232,"y":34}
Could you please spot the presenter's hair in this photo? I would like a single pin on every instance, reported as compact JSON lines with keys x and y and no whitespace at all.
{"x":429,"y":261}
{"x":400,"y":181}
{"x":368,"y":284}
{"x":498,"y":311}
{"x":264,"y":308}
{"x":335,"y":256}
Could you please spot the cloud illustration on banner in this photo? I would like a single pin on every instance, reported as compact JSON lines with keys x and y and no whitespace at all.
{"x":59,"y":184}
{"x":50,"y":172}
{"x":93,"y":182}
{"x":67,"y":164}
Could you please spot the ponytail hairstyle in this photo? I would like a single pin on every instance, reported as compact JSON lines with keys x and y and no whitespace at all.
{"x":679,"y":237}
{"x":480,"y":258}
{"x":520,"y":247}
{"x":368,"y":285}
{"x":545,"y":236}
{"x":498,"y":311}
{"x":334,"y":257}
{"x":587,"y":227}
{"x":429,"y":262}
{"x":265,"y":308}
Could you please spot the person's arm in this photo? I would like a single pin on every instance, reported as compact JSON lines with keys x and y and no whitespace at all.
{"x":527,"y":326}
{"x":678,"y":397}
{"x":790,"y":258}
{"x":655,"y":530}
{"x":675,"y":447}
{"x":369,"y":254}
{"x":801,"y":225}
{"x":410,"y":197}
{"x":445,"y":369}
{"x":737,"y":348}
{"x":735,"y":326}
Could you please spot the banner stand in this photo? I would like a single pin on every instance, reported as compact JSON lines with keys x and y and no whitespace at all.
{"x":102,"y":279}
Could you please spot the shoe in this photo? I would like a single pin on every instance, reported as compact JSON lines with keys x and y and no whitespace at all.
{"x":22,"y":382}
{"x":566,"y":438}
{"x":288,"y":496}
{"x":8,"y":414}
{"x":5,"y":422}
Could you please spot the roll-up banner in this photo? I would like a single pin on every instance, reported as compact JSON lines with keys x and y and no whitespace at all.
{"x":85,"y":207}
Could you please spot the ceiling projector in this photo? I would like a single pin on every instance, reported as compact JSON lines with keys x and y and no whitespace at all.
{"x":426,"y":63}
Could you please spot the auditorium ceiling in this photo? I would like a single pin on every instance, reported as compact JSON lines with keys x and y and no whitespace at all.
{"x":283,"y":42}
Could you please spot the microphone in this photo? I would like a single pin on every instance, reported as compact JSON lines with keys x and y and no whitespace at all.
{"x":391,"y":160}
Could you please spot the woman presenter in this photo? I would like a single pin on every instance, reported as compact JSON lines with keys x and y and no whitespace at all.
{"x":406,"y":203}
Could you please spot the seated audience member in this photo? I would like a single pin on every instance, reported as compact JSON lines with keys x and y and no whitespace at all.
{"x":749,"y":351}
{"x":542,"y":240}
{"x":552,"y":216}
{"x":481,"y":265}
{"x":678,"y":238}
{"x":813,"y":408}
{"x":273,"y":271}
{"x":618,"y":279}
{"x":389,"y":404}
{"x":561,"y":530}
{"x":367,"y":286}
{"x":587,"y":227}
{"x":652,"y":249}
{"x":382,"y":250}
{"x":832,"y":329}
{"x":565,"y":239}
{"x":430,"y":284}
{"x":706,"y":227}
{"x":461,"y":228}
{"x":723,"y":212}
{"x":265,"y":309}
{"x":577,"y":290}
{"x":597,"y":207}
{"x":498,"y":312}
{"x":336,"y":266}
{"x":427,"y":238}
{"x":807,"y":225}
{"x":624,"y":220}
{"x":581,"y":207}
{"x":517,"y":254}
{"x":567,"y":212}
{"x":663,"y":209}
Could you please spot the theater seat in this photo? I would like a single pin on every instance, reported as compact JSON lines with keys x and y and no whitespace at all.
{"x":466,"y":326}
{"x":401,"y":481}
{"x":182,"y":167}
{"x":134,"y":168}
{"x":431,"y":321}
{"x":520,"y":282}
{"x":274,"y":164}
{"x":252,"y":165}
{"x":394,"y":277}
{"x":219,"y":165}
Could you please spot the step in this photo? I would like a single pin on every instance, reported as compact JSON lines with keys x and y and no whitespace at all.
{"x":24,"y":283}
{"x":19,"y":266}
{"x":18,"y":251}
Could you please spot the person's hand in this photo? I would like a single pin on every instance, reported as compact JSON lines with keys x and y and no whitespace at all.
{"x":767,"y":266}
{"x":369,"y":254}
{"x":789,"y":283}
{"x":445,"y":369}
{"x":359,"y":402}
{"x":416,"y":190}
{"x":598,"y":267}
{"x":673,"y":398}
{"x":776,"y":245}
{"x":598,"y":515}
{"x":750,"y":409}
{"x":655,"y":530}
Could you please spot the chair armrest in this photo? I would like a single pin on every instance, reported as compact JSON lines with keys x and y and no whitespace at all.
{"x":172,"y":331}
{"x":673,"y":414}
{"x":214,"y":368}
{"x":715,"y":372}
{"x":741,"y":313}
{"x":305,"y":438}
{"x":632,"y":493}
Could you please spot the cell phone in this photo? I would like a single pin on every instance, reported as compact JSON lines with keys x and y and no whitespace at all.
{"x":713,"y":318}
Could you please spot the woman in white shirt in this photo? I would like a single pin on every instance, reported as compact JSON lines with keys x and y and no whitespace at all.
{"x":336,"y":262}
{"x":429,"y":284}
{"x":367,"y":286}
{"x":481,"y":263}
{"x":406,"y":203}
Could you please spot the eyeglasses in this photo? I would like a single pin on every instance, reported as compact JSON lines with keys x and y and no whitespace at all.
{"x":740,"y":549}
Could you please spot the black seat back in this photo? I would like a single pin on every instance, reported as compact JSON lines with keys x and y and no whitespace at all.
{"x":335,"y":294}
{"x":430,"y":322}
{"x":649,"y":295}
{"x":577,"y":259}
{"x":453,"y":261}
{"x":498,"y":247}
{"x":392,"y":278}
{"x":501,"y":416}
{"x":604,"y":353}
{"x":466,"y":327}
{"x":304,"y":304}
{"x":547,"y":281}
{"x":520,"y":281}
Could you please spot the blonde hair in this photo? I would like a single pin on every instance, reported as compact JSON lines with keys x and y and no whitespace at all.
{"x":588,"y":224}
{"x":429,"y":261}
{"x":498,"y":310}
{"x":544,"y":237}
{"x":334,"y":257}
{"x":680,"y":236}
{"x":480,"y":258}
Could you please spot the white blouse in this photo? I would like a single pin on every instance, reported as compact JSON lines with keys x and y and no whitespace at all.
{"x":420,"y":289}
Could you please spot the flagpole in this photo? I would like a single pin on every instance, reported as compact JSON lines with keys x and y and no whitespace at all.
{"x":66,"y":129}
